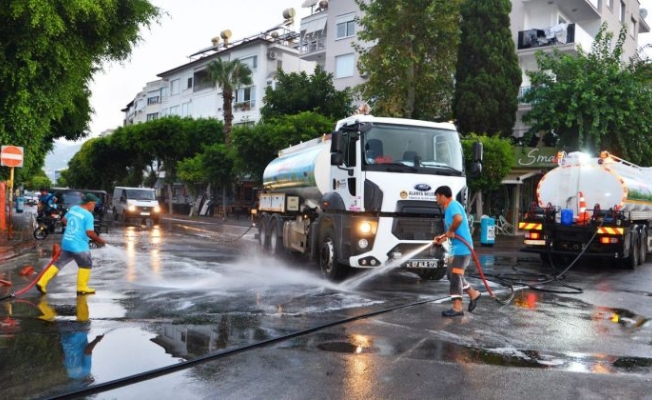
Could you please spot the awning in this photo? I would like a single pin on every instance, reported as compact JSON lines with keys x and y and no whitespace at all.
{"x":314,"y":26}
{"x":517,"y":178}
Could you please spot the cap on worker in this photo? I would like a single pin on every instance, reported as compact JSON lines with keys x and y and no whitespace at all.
{"x":89,"y":198}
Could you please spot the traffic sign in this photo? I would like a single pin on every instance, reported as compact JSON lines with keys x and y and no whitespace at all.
{"x":11,"y":156}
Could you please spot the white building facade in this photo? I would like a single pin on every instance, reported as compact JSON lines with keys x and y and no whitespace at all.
{"x":187,"y":90}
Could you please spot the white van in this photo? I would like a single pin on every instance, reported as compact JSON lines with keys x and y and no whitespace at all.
{"x":132,"y":202}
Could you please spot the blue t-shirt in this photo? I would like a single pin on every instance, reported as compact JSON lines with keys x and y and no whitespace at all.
{"x":77,"y":362}
{"x":79,"y":220}
{"x":463,"y":231}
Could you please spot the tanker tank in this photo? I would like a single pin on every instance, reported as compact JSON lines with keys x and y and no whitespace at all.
{"x":607,"y":181}
{"x":301,"y":170}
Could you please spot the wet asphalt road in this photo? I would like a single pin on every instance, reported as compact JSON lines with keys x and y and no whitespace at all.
{"x":179,"y":305}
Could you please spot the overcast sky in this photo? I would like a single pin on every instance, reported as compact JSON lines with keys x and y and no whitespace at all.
{"x":188,"y":27}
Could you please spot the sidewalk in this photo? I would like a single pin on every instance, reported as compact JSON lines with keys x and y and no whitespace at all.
{"x":21,"y":239}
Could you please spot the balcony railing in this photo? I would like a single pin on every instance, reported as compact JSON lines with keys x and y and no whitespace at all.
{"x":313,"y":45}
{"x":554,"y":35}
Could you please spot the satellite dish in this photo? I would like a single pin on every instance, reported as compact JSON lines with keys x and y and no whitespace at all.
{"x":643,"y":13}
{"x":275,"y":34}
{"x":215,"y":40}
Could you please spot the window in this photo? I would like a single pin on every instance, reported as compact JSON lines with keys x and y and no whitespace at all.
{"x":174,"y":110}
{"x":189,"y":84}
{"x":202,"y":79}
{"x":610,"y":4}
{"x":164,"y":92}
{"x":186,"y":109}
{"x":153,"y":100}
{"x":344,"y":65}
{"x":632,"y":28}
{"x":152,"y":116}
{"x":345,"y":26}
{"x":174,"y":87}
{"x":245,"y":98}
{"x":251,"y":62}
{"x":622,"y":12}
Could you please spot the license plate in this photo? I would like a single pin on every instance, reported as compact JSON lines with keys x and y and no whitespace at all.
{"x":144,"y":213}
{"x":422,"y":264}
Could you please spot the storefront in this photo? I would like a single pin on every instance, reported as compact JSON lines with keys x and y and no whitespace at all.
{"x":520,"y":185}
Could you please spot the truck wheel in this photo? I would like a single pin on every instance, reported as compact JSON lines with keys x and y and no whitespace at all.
{"x":275,"y":240}
{"x":328,"y":257}
{"x":432,"y":275}
{"x":631,"y":261}
{"x":642,"y":246}
{"x":262,"y":234}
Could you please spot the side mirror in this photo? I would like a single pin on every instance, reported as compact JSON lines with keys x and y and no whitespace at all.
{"x":476,"y":165}
{"x":122,"y":199}
{"x":337,"y":143}
{"x":337,"y":159}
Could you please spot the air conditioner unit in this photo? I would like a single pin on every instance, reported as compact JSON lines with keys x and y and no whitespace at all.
{"x":272,"y":55}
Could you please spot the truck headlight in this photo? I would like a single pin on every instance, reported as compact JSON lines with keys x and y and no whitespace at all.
{"x":363,"y":243}
{"x":157,"y":209}
{"x":367,"y":228}
{"x":131,"y":208}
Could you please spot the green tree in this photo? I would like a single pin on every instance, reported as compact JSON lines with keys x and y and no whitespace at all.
{"x":229,"y":76}
{"x":298,"y":92}
{"x":257,"y":145}
{"x":593,"y":101}
{"x":488,"y":76}
{"x":412,"y":61}
{"x":48,"y":53}
{"x":498,"y":160}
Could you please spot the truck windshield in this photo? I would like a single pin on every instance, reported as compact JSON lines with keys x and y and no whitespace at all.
{"x":411,"y":146}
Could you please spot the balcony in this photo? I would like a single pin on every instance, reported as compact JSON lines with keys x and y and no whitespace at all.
{"x":564,"y":38}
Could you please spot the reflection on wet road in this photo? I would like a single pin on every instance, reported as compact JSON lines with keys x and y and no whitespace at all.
{"x":164,"y":297}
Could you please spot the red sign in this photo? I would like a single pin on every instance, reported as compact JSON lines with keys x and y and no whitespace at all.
{"x":11,"y":156}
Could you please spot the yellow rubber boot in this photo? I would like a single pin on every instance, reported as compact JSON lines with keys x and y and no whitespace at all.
{"x":83,"y":276}
{"x":82,"y":309}
{"x":47,"y":312}
{"x":45,"y":278}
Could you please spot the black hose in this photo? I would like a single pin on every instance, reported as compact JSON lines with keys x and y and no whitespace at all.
{"x":132,"y":379}
{"x":558,"y":277}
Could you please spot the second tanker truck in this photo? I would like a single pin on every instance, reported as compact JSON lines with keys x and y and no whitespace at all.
{"x":598,"y":207}
{"x":363,"y":196}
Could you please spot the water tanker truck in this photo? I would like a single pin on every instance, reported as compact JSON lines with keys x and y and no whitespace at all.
{"x":598,"y":207}
{"x":363,"y":195}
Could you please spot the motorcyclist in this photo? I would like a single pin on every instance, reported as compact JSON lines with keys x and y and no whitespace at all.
{"x":46,"y":202}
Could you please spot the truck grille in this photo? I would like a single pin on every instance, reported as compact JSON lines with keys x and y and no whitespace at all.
{"x":410,"y":228}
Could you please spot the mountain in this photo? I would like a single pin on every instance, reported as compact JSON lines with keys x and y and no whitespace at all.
{"x":58,"y":158}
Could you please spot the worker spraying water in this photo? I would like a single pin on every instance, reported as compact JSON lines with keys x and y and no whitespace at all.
{"x":80,"y":229}
{"x":456,"y":224}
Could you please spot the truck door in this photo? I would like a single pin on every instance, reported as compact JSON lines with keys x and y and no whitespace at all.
{"x":347,"y":181}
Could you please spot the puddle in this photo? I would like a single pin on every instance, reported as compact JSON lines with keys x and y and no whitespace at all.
{"x":440,"y":350}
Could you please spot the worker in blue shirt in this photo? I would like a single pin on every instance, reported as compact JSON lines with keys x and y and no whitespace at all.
{"x":79,"y":223}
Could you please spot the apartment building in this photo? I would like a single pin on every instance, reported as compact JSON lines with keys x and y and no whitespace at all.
{"x":567,"y":25}
{"x":327,"y":35}
{"x":187,"y":90}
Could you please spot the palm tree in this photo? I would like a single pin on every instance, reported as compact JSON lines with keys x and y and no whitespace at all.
{"x":229,"y":76}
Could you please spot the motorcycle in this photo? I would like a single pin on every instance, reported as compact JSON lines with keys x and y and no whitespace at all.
{"x":47,"y":224}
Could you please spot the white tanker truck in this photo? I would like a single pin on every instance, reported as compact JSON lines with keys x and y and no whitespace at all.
{"x":598,"y":206}
{"x":363,"y":196}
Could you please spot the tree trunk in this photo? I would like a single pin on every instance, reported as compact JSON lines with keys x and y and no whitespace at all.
{"x":169,"y":198}
{"x":224,"y":202}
